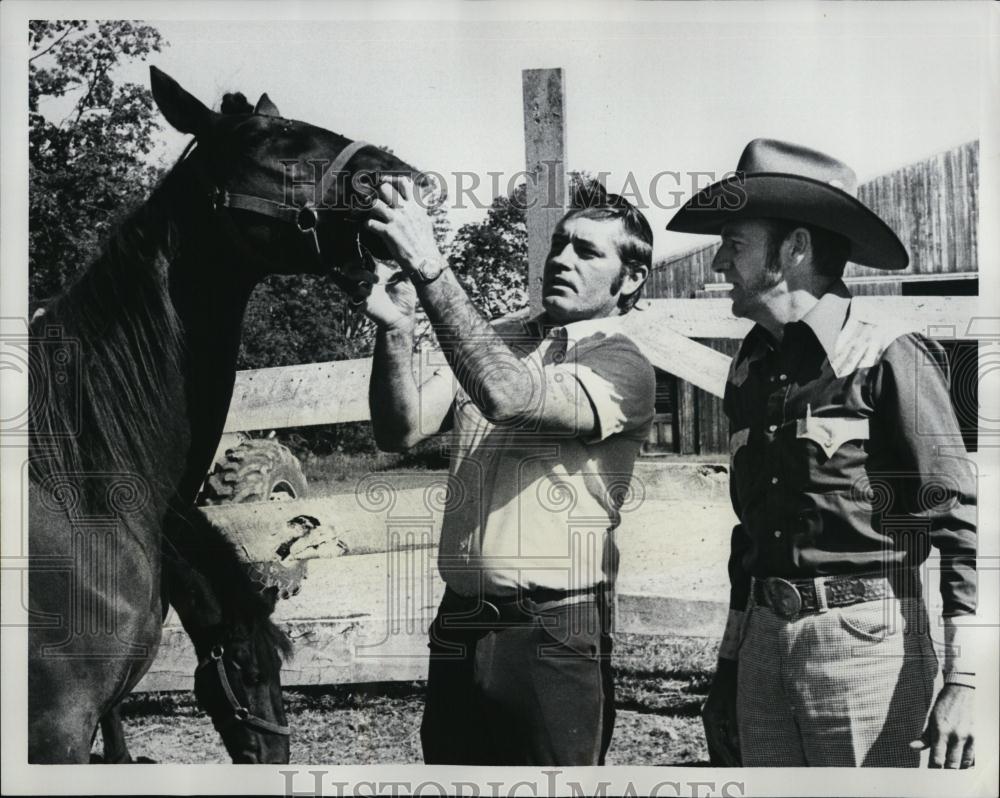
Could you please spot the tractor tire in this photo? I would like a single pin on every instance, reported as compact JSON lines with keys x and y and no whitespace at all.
{"x":256,"y":470}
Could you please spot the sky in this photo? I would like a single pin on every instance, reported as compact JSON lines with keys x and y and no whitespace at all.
{"x":649,"y":87}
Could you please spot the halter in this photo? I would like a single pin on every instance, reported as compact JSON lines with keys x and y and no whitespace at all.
{"x":241,"y":714}
{"x":356,"y":283}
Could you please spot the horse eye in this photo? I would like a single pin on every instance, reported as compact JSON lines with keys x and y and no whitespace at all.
{"x":252,"y":677}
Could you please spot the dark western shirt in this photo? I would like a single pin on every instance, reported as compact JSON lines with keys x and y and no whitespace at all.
{"x":847,"y":456}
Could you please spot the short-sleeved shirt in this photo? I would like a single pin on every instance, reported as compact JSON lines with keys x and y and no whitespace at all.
{"x":531,"y":510}
{"x":847,"y":456}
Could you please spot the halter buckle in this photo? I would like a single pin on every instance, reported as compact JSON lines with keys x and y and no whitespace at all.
{"x":307,"y":219}
{"x":217,"y":651}
{"x":220,"y":199}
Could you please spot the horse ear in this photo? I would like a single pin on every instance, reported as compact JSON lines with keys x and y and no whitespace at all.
{"x":265,"y":107}
{"x":182,"y":110}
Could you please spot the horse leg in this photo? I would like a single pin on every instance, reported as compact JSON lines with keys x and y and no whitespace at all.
{"x":115,"y":746}
{"x":113,"y":735}
{"x":62,"y":734}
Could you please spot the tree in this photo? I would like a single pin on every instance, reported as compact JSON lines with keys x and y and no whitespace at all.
{"x":92,"y":163}
{"x":491,"y":257}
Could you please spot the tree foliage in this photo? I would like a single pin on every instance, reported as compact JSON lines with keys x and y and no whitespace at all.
{"x":491,"y":257}
{"x":88,"y":138}
{"x":301,"y":318}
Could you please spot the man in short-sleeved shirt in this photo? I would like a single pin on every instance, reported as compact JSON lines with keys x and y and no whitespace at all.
{"x":545,"y":427}
{"x":535,"y":508}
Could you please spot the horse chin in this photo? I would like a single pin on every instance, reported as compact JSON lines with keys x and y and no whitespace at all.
{"x":253,"y":749}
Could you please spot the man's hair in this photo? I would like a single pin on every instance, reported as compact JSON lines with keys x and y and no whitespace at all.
{"x":830,"y":250}
{"x":635,"y":244}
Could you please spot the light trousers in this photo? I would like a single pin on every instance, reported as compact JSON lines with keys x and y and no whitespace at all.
{"x":848,"y":687}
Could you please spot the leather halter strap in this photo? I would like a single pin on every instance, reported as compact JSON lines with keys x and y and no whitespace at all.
{"x":241,"y":714}
{"x":281,"y":211}
{"x":340,"y":162}
{"x":306,"y":218}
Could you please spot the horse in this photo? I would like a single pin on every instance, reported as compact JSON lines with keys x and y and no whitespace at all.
{"x":131,"y":374}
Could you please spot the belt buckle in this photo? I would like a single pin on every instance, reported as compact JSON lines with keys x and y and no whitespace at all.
{"x":783,"y":597}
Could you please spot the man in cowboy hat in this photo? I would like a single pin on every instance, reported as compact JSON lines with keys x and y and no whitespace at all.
{"x":840,"y":487}
{"x":545,"y":426}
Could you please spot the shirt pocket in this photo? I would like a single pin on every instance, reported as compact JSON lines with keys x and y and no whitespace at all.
{"x":832,"y":449}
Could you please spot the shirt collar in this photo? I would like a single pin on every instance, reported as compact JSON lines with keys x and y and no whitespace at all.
{"x":577,"y":330}
{"x":826,"y":319}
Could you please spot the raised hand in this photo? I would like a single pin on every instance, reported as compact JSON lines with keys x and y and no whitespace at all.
{"x":393,"y":300}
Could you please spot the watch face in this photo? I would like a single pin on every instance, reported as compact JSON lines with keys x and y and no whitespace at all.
{"x":428,"y":269}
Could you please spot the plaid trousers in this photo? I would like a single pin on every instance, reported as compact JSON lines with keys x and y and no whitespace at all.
{"x":848,"y":687}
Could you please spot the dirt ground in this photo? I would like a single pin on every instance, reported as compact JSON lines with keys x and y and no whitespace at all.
{"x":660,"y":686}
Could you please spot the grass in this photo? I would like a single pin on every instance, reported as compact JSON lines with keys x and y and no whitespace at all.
{"x":660,"y":685}
{"x":340,"y":467}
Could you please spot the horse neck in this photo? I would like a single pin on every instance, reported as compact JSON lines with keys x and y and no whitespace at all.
{"x":210,"y":286}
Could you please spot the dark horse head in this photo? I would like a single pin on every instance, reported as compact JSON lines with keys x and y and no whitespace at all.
{"x":239,"y":648}
{"x":299,"y":190}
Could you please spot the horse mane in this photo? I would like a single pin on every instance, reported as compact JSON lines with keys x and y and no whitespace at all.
{"x":235,"y":103}
{"x":194,"y":542}
{"x":118,"y":317}
{"x":122,"y":345}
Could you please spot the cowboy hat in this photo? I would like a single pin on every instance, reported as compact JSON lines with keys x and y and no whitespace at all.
{"x":775,"y":179}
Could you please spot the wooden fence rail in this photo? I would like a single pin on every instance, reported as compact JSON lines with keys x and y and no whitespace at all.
{"x":334,"y":393}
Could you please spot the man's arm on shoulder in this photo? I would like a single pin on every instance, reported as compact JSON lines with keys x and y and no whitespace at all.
{"x":912,"y":398}
{"x":912,"y":394}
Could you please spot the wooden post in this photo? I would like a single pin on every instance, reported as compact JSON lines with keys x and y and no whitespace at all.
{"x":687,"y":413}
{"x":545,"y":163}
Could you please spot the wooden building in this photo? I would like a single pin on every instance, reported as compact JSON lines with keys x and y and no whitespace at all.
{"x":933,"y":207}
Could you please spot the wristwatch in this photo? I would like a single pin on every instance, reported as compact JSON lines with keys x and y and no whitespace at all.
{"x":428,"y":270}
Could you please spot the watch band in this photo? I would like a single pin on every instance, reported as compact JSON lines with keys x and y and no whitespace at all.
{"x":963,"y":679}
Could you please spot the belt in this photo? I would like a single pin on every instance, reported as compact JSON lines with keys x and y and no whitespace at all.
{"x":515,"y":608}
{"x":792,"y":597}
